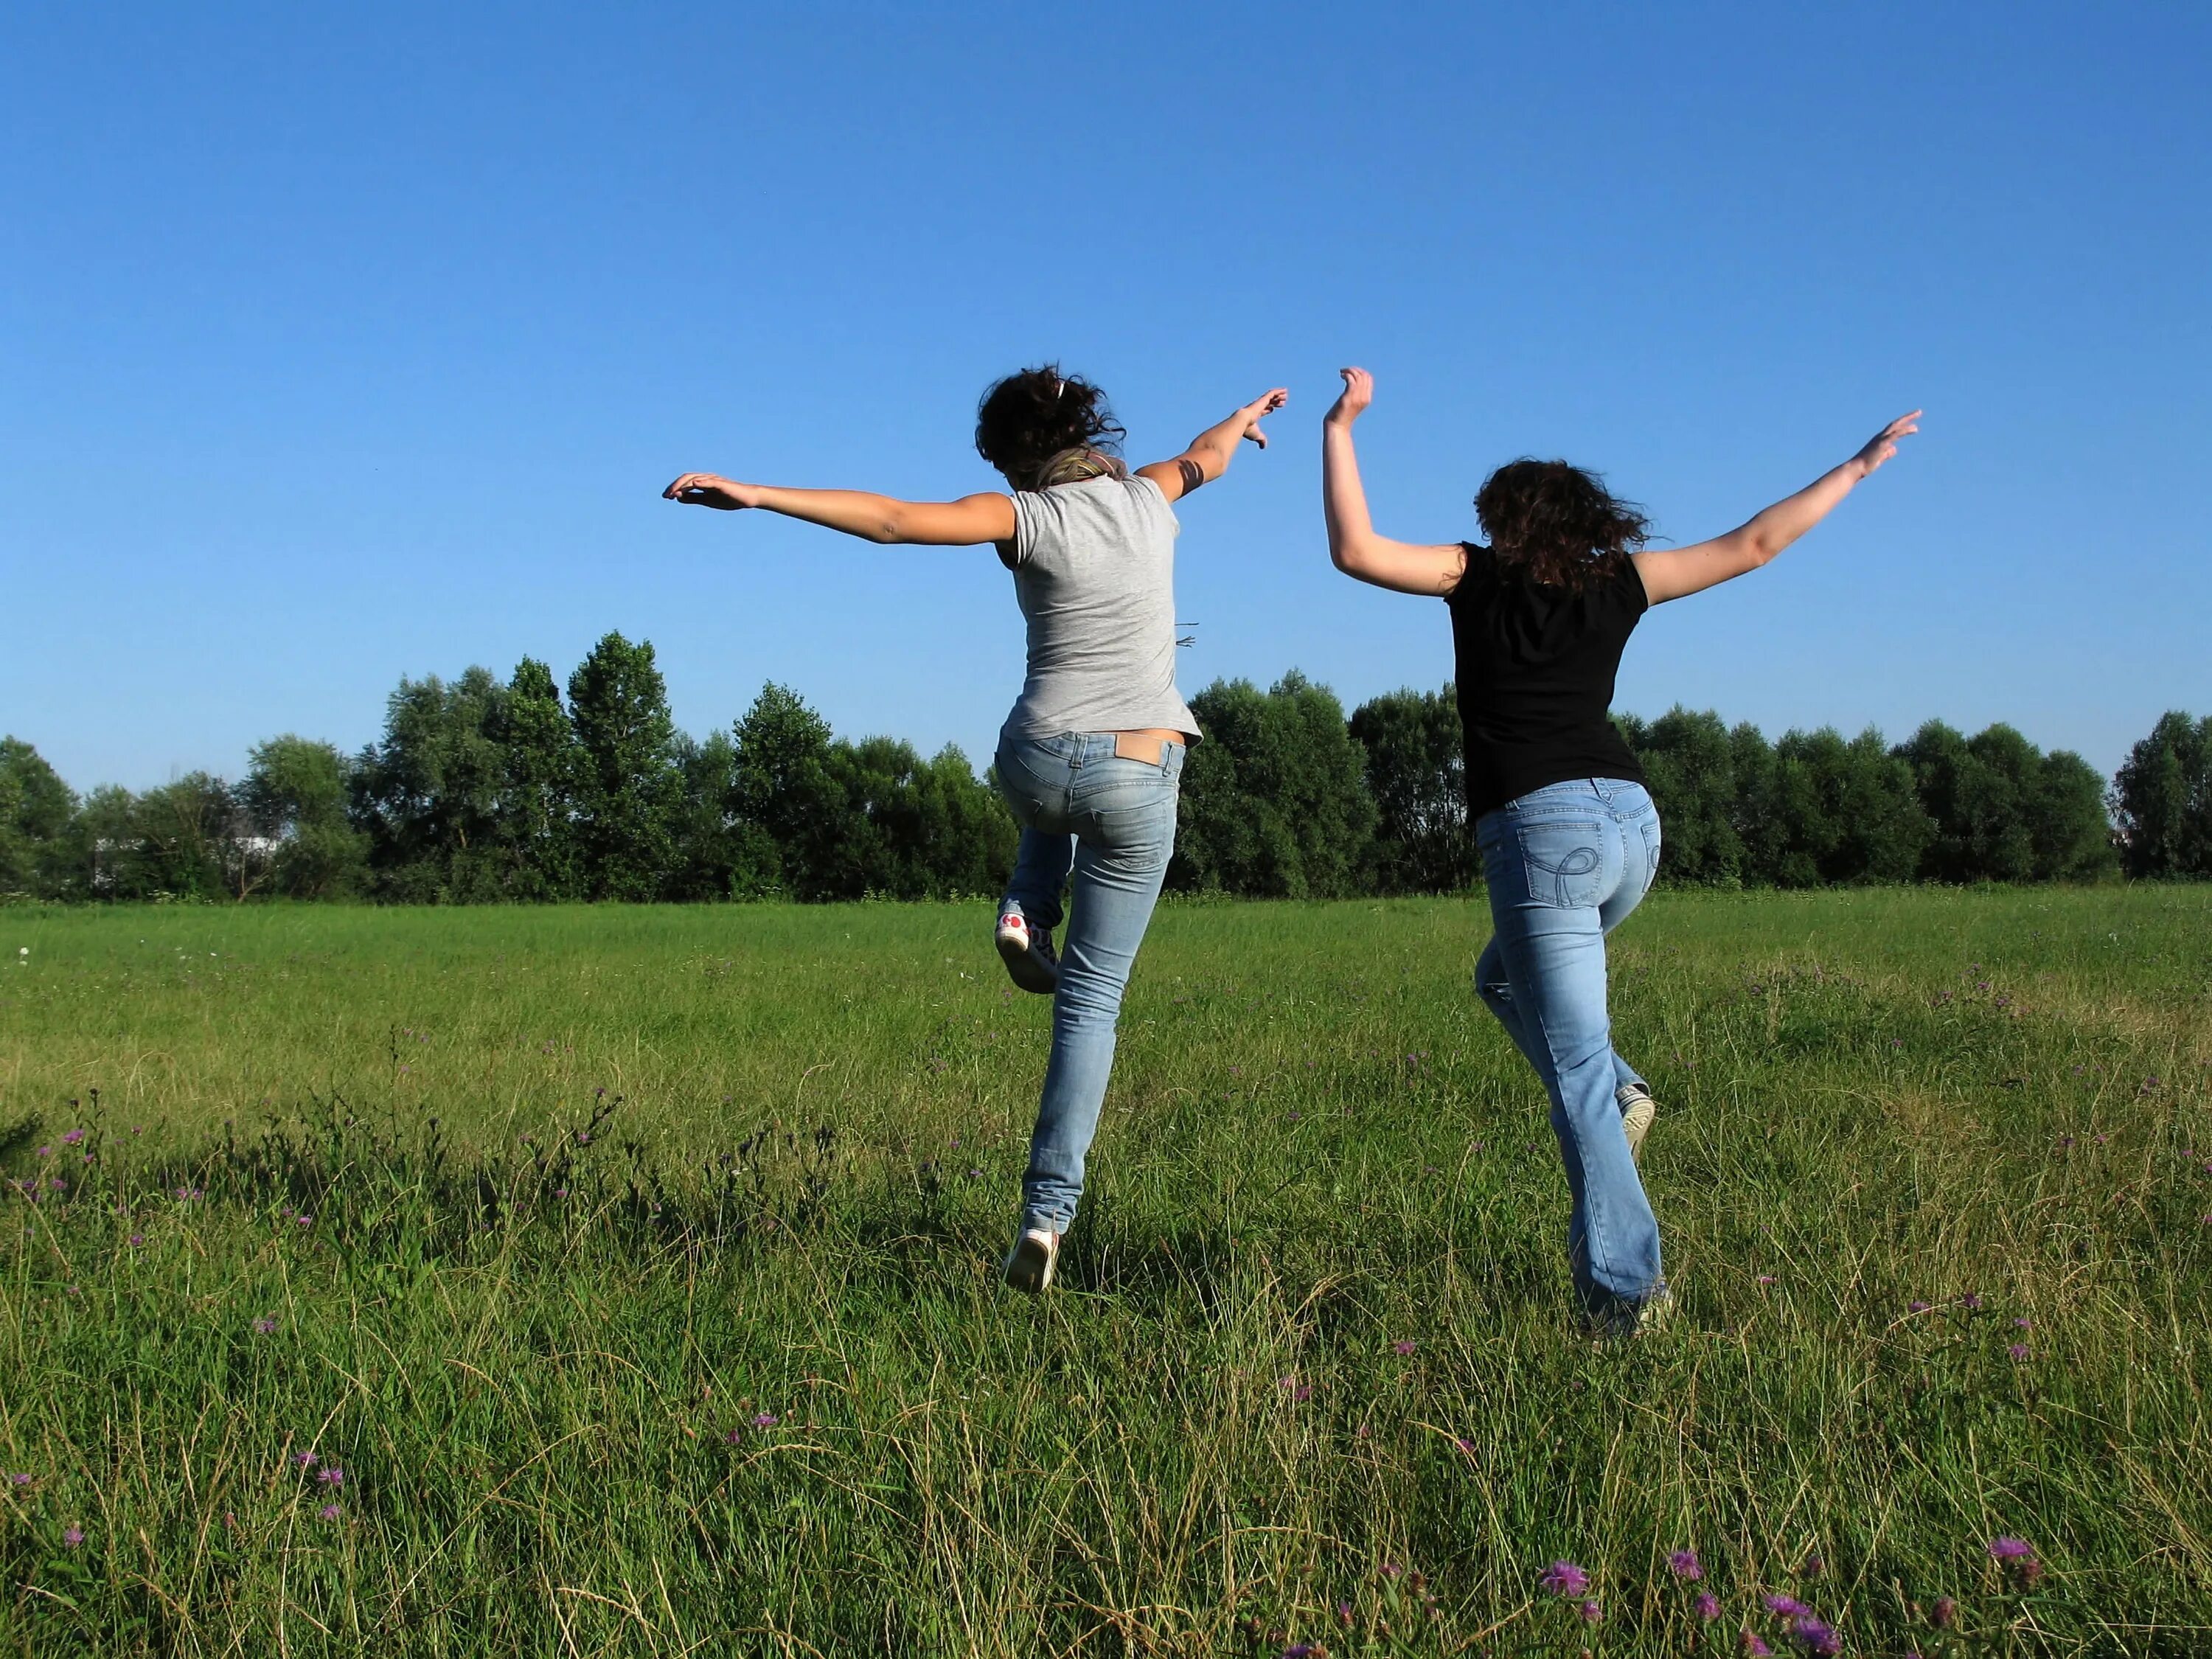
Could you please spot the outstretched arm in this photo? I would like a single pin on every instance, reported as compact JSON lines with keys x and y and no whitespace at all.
{"x":1674,"y":573}
{"x":1432,"y":570}
{"x":1210,"y":452}
{"x":969,"y":522}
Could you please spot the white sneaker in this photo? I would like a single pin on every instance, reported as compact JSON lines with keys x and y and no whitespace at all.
{"x":1628,"y":1320}
{"x":1029,"y":1266}
{"x":1638,"y":1113}
{"x":1027,"y":954}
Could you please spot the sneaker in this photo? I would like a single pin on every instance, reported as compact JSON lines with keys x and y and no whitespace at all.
{"x":1638,"y":1112}
{"x":1027,"y":952}
{"x":1625,"y":1321}
{"x":1029,"y":1266}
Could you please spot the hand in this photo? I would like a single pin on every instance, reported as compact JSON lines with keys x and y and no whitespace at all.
{"x":711,"y":489}
{"x":1352,"y":403}
{"x":1255,"y":411}
{"x":1883,"y":445}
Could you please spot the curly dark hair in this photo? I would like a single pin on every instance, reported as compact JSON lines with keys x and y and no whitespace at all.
{"x":1558,"y":524}
{"x":1026,"y":419}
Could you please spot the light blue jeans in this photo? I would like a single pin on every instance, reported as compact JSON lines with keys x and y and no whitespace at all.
{"x":1565,"y":865}
{"x":1112,"y":822}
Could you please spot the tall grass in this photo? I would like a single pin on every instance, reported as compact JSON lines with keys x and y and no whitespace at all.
{"x":635,"y":1267}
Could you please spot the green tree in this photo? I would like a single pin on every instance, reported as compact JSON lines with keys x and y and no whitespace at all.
{"x":2162,"y":799}
{"x":628,"y":787}
{"x":710,"y":855}
{"x":295,"y":794}
{"x":787,"y":799}
{"x":428,"y":794}
{"x":1274,"y":801}
{"x":540,"y":764}
{"x":192,"y":841}
{"x":2004,"y":810}
{"x":1689,"y":761}
{"x":2067,"y":824}
{"x":914,"y":829}
{"x":1843,"y":811}
{"x":1414,"y":759}
{"x":37,"y":811}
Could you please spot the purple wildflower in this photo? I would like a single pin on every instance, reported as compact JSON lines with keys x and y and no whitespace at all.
{"x":2024,"y":1324}
{"x":1916,"y":1307}
{"x":1756,"y":1648}
{"x":1786,"y":1606}
{"x":1815,"y":1636}
{"x":765,"y":1419}
{"x":45,"y":1151}
{"x":1766,"y":1278}
{"x":1465,"y":1445}
{"x":2018,"y":1351}
{"x":137,"y":1238}
{"x":264,"y":1326}
{"x":330,"y":1512}
{"x":1590,"y":1612}
{"x":1404,"y":1345}
{"x":1707,"y":1607}
{"x":72,"y":1536}
{"x":71,"y":1137}
{"x":306,"y":1460}
{"x":2011,"y":1549}
{"x":1971,"y":1302}
{"x":333,"y":1476}
{"x":1565,"y":1578}
{"x":1684,"y":1565}
{"x":1944,"y":1614}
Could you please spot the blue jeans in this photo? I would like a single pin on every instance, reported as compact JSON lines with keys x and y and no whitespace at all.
{"x":1565,"y":865}
{"x":1112,"y":822}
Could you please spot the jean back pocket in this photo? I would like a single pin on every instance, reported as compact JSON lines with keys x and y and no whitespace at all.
{"x":1564,"y":862}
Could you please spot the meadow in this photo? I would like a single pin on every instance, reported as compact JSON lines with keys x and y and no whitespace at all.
{"x":612,"y":1280}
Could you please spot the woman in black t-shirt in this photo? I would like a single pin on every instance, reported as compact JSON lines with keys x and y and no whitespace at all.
{"x":1569,"y":838}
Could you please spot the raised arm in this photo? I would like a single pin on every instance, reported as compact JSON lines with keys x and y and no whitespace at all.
{"x":1674,"y":573}
{"x":1426,"y":569}
{"x":1210,"y":452}
{"x":969,"y":522}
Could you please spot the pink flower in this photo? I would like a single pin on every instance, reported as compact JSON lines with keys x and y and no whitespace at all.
{"x":1684,"y":1565}
{"x":1565,"y":1578}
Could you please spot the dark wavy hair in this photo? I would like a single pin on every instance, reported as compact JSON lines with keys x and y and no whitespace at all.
{"x":1028,"y":419}
{"x":1557,"y":524}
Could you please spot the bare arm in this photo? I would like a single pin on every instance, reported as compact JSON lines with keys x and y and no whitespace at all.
{"x":1674,"y":573}
{"x":1210,"y":453}
{"x":1430,"y":569}
{"x":969,"y":522}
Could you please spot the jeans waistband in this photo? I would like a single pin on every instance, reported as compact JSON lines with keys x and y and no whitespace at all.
{"x":1077,"y":748}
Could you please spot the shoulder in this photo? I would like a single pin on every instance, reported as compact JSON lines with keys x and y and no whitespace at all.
{"x":1478,"y":576}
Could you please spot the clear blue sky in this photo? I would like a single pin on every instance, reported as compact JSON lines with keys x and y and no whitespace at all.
{"x":341,"y":344}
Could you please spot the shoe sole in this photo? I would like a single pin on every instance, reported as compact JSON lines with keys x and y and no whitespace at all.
{"x":1028,"y":1267}
{"x":1636,"y":1123}
{"x":1022,"y":967}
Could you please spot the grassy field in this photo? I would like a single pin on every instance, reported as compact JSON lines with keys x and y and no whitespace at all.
{"x":620,"y":1281}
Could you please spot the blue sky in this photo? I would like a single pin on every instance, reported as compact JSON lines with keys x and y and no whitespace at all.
{"x":340,"y":344}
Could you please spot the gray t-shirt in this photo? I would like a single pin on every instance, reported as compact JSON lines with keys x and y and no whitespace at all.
{"x":1094,"y":570}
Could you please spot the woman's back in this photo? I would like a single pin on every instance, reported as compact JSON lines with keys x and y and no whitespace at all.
{"x":1094,"y":572}
{"x":1534,"y":666}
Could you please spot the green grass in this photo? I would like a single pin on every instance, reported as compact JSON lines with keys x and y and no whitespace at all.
{"x":538,"y":1362}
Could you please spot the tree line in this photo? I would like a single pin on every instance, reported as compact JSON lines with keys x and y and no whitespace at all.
{"x":483,"y":790}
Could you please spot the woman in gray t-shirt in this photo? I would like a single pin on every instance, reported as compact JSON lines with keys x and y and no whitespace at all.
{"x":1091,"y":757}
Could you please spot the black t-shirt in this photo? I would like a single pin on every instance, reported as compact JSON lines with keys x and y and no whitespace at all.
{"x":1535,"y":667}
